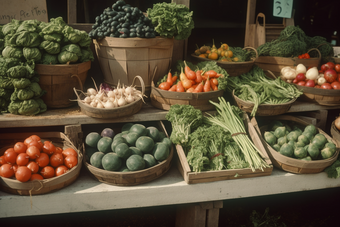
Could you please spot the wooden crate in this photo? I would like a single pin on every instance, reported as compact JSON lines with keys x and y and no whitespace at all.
{"x":38,"y":187}
{"x":59,"y":80}
{"x":191,"y":177}
{"x":293,"y":165}
{"x":133,"y":177}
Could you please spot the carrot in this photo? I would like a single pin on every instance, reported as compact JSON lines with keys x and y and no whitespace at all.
{"x":173,"y":88}
{"x":169,"y":79}
{"x":213,"y":86}
{"x":190,"y":90}
{"x":174,"y":79}
{"x":180,"y":87}
{"x":182,"y":76}
{"x":214,"y":81}
{"x":207,"y":85}
{"x":164,"y":86}
{"x":186,"y":83}
{"x":198,"y":76}
{"x":199,"y":87}
{"x":191,"y":75}
{"x":211,"y":73}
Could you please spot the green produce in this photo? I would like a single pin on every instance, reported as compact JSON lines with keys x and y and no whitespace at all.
{"x":136,"y":151}
{"x":53,"y":37}
{"x":32,"y":54}
{"x":131,"y":138}
{"x":160,"y":151}
{"x":308,"y":158}
{"x":11,"y":27}
{"x":71,"y":35}
{"x":124,"y":168}
{"x":104,"y":145}
{"x":111,"y":162}
{"x":29,"y":26}
{"x":300,"y":152}
{"x":5,"y":93}
{"x":270,"y":138}
{"x":135,"y":163}
{"x":123,"y":150}
{"x":327,"y":153}
{"x":276,"y":147}
{"x":304,"y":139}
{"x":287,"y":150}
{"x":96,"y":159}
{"x":33,"y":90}
{"x":153,"y":133}
{"x":275,"y":124}
{"x":92,"y":139}
{"x":69,"y":53}
{"x":280,"y":132}
{"x":50,"y":47}
{"x":6,"y":83}
{"x":12,"y":52}
{"x":89,"y":151}
{"x":171,"y":20}
{"x":28,"y":39}
{"x":7,"y":63}
{"x":126,"y":127}
{"x":311,"y":128}
{"x":293,"y":135}
{"x":308,"y":135}
{"x":49,"y":59}
{"x":145,"y":144}
{"x":117,"y":141}
{"x":319,"y":140}
{"x":28,"y":107}
{"x":313,"y":151}
{"x":139,"y":129}
{"x":86,"y":55}
{"x":167,"y":141}
{"x":20,"y":71}
{"x":333,"y":171}
{"x":149,"y":160}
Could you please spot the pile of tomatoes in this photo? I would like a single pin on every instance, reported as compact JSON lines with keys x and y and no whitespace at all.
{"x":34,"y":159}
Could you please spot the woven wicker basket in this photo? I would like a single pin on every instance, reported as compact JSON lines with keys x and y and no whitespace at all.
{"x":335,"y":133}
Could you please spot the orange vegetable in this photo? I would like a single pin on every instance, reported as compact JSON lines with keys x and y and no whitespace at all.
{"x":210,"y":73}
{"x":199,"y":88}
{"x":173,"y":88}
{"x":214,"y":81}
{"x":191,"y":75}
{"x":182,"y":76}
{"x":180,"y":87}
{"x":198,"y":76}
{"x":190,"y":90}
{"x":169,"y":79}
{"x":186,"y":83}
{"x":174,"y":79}
{"x":213,"y":86}
{"x":164,"y":86}
{"x":207,"y":85}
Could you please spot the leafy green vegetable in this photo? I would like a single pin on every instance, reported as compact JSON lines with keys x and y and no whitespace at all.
{"x":12,"y":52}
{"x":11,"y":27}
{"x":20,"y":83}
{"x":270,"y":138}
{"x":32,"y":53}
{"x":171,"y":20}
{"x":49,"y":59}
{"x":6,"y":82}
{"x":50,"y":47}
{"x":69,"y":53}
{"x":287,"y":150}
{"x":27,"y":107}
{"x":333,"y":171}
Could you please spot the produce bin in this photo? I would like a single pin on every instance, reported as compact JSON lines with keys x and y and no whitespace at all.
{"x":293,"y":165}
{"x":38,"y":187}
{"x":121,"y":59}
{"x":59,"y":80}
{"x":325,"y":97}
{"x":191,"y":177}
{"x":134,"y":177}
{"x":335,"y":133}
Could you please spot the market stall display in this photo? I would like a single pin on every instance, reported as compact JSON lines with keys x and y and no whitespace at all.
{"x":335,"y":130}
{"x":38,"y":163}
{"x":136,"y":155}
{"x":110,"y":102}
{"x":298,"y":147}
{"x":191,"y":85}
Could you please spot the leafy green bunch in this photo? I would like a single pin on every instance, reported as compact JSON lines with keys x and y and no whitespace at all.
{"x":171,"y":20}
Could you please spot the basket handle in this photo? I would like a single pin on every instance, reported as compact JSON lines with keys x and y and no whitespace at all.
{"x":252,"y":48}
{"x":141,"y":82}
{"x":79,"y":81}
{"x":316,"y":49}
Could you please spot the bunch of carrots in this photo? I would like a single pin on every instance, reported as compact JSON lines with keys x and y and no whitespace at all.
{"x":191,"y":81}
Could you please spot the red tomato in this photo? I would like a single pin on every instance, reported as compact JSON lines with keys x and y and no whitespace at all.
{"x":37,"y":144}
{"x":310,"y":83}
{"x":326,"y":86}
{"x":337,"y":68}
{"x":323,"y":67}
{"x":33,"y":152}
{"x":58,"y":150}
{"x":70,"y":161}
{"x":23,"y":174}
{"x":317,"y":86}
{"x":47,"y":172}
{"x":42,"y":160}
{"x":68,"y":152}
{"x":33,"y":166}
{"x":330,"y":65}
{"x":20,"y":147}
{"x":28,"y":140}
{"x":295,"y":81}
{"x":10,"y":156}
{"x":56,"y":160}
{"x":48,"y":147}
{"x":335,"y":85}
{"x":36,"y":176}
{"x":6,"y":170}
{"x":22,"y":159}
{"x":300,"y":77}
{"x":301,"y":83}
{"x":15,"y":168}
{"x":2,"y":160}
{"x":330,"y":75}
{"x":61,"y":170}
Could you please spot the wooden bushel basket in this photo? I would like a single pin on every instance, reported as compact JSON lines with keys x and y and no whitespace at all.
{"x":275,"y":64}
{"x":335,"y":133}
{"x":133,"y":177}
{"x":38,"y":187}
{"x":162,"y":99}
{"x":122,"y":111}
{"x":293,"y":165}
{"x":264,"y":109}
{"x":191,"y":177}
{"x":233,"y":68}
{"x":325,"y":97}
{"x":121,"y":59}
{"x":59,"y":80}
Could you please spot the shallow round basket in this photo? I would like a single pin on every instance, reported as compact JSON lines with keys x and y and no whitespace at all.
{"x":162,"y":99}
{"x":336,"y":60}
{"x":233,"y":68}
{"x":39,"y":187}
{"x":123,"y":111}
{"x":264,"y":109}
{"x":335,"y":133}
{"x":325,"y":97}
{"x":133,"y":177}
{"x":293,"y":165}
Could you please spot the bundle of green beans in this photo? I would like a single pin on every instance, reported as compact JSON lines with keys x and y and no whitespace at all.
{"x":257,"y":88}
